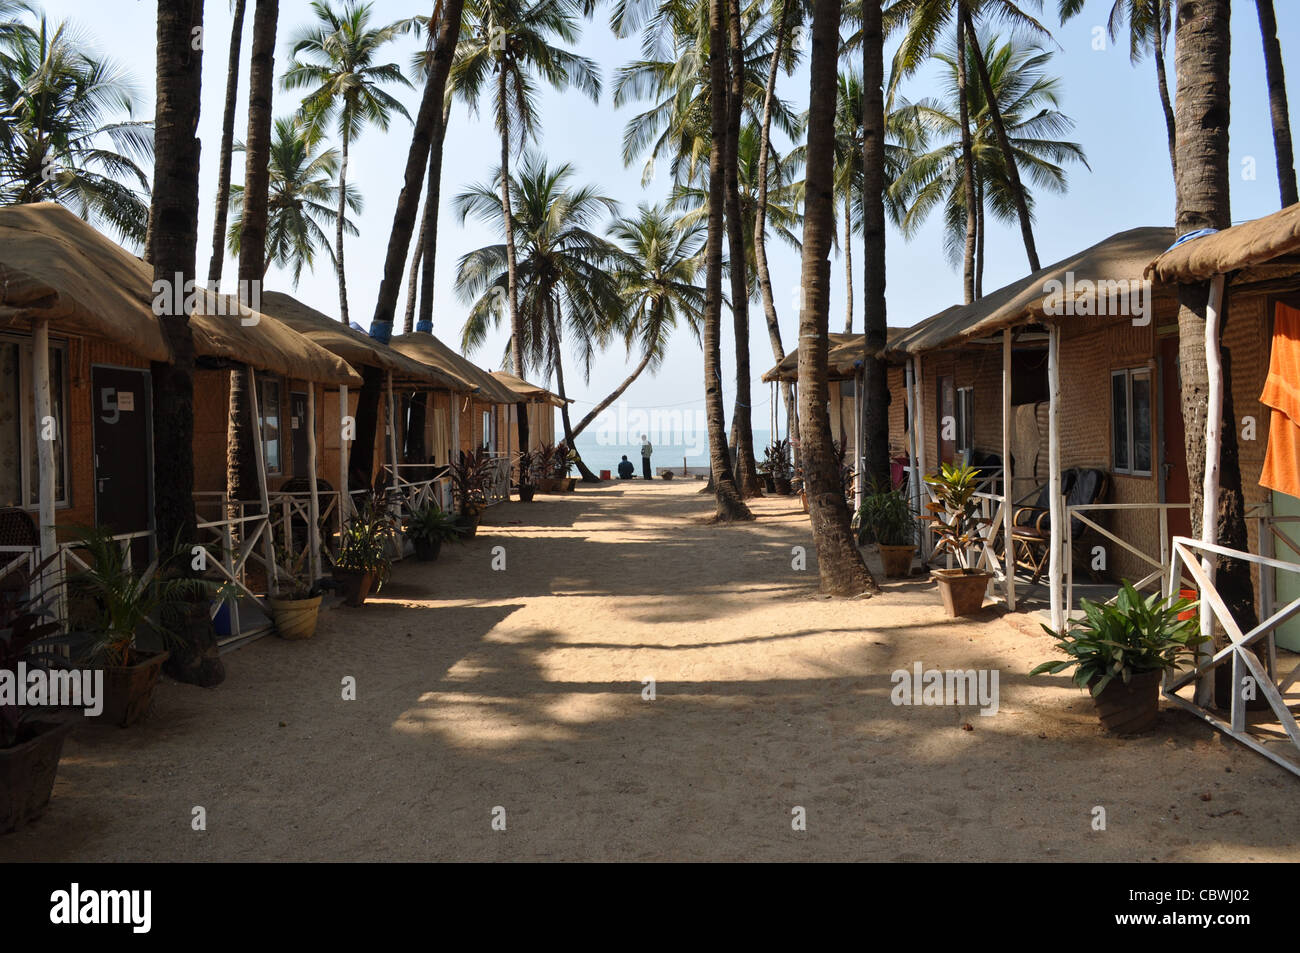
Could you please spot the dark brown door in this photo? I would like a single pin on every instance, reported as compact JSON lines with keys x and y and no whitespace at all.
{"x":1173,"y":449}
{"x":298,"y":428}
{"x":947,"y":421}
{"x":123,"y":429}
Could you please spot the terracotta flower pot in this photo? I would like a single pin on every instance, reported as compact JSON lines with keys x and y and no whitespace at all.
{"x":897,"y":559}
{"x":1132,"y":708}
{"x":295,"y":618}
{"x":355,"y":585}
{"x":27,"y":772}
{"x":962,"y":593}
{"x":128,"y":689}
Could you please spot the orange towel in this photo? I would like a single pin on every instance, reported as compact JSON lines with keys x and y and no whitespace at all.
{"x":1282,"y":394}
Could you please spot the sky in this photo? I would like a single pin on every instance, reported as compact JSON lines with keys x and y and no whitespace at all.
{"x":1114,"y":106}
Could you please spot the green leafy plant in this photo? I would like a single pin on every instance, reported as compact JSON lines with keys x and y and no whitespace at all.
{"x":471,"y":475}
{"x":776,"y":460}
{"x":886,"y":517}
{"x":293,"y":575}
{"x":1120,"y":640}
{"x":528,"y":474}
{"x":432,"y":524}
{"x":957,"y":509}
{"x":367,"y":539}
{"x":28,"y":632}
{"x":117,"y":603}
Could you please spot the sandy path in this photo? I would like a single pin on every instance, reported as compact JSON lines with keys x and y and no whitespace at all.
{"x":522,"y":689}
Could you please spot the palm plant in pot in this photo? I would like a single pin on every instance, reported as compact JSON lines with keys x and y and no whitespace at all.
{"x":1120,"y":651}
{"x":957,"y":526}
{"x":428,"y":527}
{"x":31,"y":740}
{"x":363,"y":562}
{"x":527,"y":463}
{"x":471,"y":474}
{"x":113,"y":607}
{"x":776,"y":457}
{"x":296,"y":603}
{"x":886,"y":519}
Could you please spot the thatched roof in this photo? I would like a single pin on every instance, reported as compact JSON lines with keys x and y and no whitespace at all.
{"x":1252,"y":248}
{"x":842,"y":357}
{"x":356,"y":347}
{"x":56,"y":266}
{"x":530,"y":392}
{"x":427,"y":349}
{"x":1122,"y":257}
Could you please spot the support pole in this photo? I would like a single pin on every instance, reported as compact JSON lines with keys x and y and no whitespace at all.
{"x":859,"y":436}
{"x":313,"y":502}
{"x":510,"y":461}
{"x":1054,"y":474}
{"x":455,"y":428}
{"x":1008,"y":478}
{"x":1213,"y":440}
{"x":345,"y":498}
{"x":392,"y":432}
{"x":259,"y":455}
{"x":46,"y":433}
{"x":913,"y":475}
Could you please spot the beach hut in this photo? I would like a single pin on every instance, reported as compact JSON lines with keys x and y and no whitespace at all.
{"x":78,"y":332}
{"x":541,"y":410}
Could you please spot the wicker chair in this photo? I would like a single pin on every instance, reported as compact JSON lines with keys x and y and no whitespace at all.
{"x":1031,"y":526}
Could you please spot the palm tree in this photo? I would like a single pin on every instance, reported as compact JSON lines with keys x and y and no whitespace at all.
{"x":1202,"y":110}
{"x":335,"y":60}
{"x":848,"y":170}
{"x":839,"y":564}
{"x":173,"y":251}
{"x":217,"y":262}
{"x":517,"y":40}
{"x":241,"y":472}
{"x":302,"y":200}
{"x":656,"y":280}
{"x":566,"y":272}
{"x":934,"y":178}
{"x":1277,"y":103}
{"x":56,"y":143}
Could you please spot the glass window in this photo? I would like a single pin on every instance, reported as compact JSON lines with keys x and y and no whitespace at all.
{"x":19,"y":430}
{"x":1130,"y":411}
{"x":965,"y":420}
{"x":1141,"y":404}
{"x":270,"y":407}
{"x":1119,"y":434}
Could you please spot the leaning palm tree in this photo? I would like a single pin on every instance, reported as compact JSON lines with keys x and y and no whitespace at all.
{"x":60,"y":140}
{"x":934,"y":179}
{"x":510,"y":44}
{"x":335,"y":61}
{"x":1276,"y":78}
{"x":566,"y":273}
{"x":302,"y":200}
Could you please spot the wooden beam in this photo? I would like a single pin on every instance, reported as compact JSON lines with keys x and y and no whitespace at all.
{"x":46,"y":471}
{"x":1008,"y":481}
{"x":313,"y":502}
{"x":1054,"y":567}
{"x":259,"y":455}
{"x":345,"y":499}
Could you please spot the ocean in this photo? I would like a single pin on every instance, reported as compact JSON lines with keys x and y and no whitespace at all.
{"x":600,"y":451}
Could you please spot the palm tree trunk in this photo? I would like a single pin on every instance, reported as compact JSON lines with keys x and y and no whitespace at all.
{"x":730,"y":505}
{"x":569,"y":434}
{"x":979,"y":240}
{"x":429,"y":225}
{"x":413,"y":283}
{"x":967,"y":163}
{"x":1162,"y":83}
{"x":338,"y":233}
{"x":839,"y":563}
{"x":241,"y":428}
{"x":217,"y":262}
{"x":512,"y":271}
{"x":1277,"y":103}
{"x":875,"y":372}
{"x":1004,"y":143}
{"x":1203,"y":107}
{"x":614,"y":395}
{"x":760,"y":206}
{"x":404,"y":219}
{"x":747,"y":478}
{"x":848,"y":257}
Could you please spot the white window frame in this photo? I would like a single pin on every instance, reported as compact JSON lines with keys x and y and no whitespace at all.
{"x":263,"y":383}
{"x":1129,"y":374}
{"x":27,"y":439}
{"x":487,"y":430}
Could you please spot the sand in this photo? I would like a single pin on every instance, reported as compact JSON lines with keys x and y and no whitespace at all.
{"x":519,"y":694}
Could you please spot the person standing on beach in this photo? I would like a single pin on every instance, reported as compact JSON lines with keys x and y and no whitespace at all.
{"x":646,"y":450}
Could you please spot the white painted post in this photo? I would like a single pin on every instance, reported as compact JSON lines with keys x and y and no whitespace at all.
{"x":1054,"y":473}
{"x":392,"y":432}
{"x":455,"y":428}
{"x":1213,"y":441}
{"x":913,"y":477}
{"x":345,"y":499}
{"x":919,"y":420}
{"x":313,"y":503}
{"x":268,"y":534}
{"x":46,"y":474}
{"x":1008,"y":478}
{"x":510,"y":444}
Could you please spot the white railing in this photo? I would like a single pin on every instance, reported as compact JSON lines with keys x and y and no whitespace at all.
{"x":1250,"y":679}
{"x":1158,"y":561}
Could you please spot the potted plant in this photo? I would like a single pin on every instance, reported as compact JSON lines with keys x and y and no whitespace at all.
{"x":562,"y":463}
{"x":428,"y":527}
{"x":667,"y":474}
{"x":777,"y":458}
{"x":957,"y":527}
{"x":31,"y":741}
{"x":296,"y":603}
{"x":886,"y":519}
{"x":527,"y":476}
{"x":471,"y":474}
{"x":114,"y":605}
{"x":363,"y":562}
{"x":543,"y":468}
{"x":1120,"y":651}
